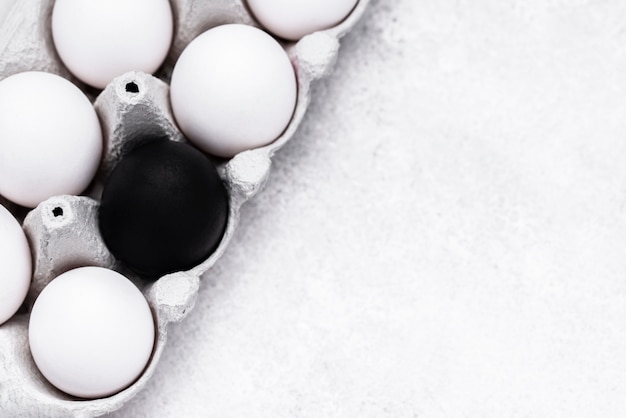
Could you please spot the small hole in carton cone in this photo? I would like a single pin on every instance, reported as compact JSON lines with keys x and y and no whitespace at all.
{"x":58,"y":211}
{"x":132,"y":87}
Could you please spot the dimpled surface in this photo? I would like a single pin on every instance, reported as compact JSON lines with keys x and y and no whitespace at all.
{"x":50,"y":138}
{"x":164,"y":208}
{"x":15,"y":265}
{"x":293,"y":19}
{"x":91,"y":332}
{"x":233,"y":88}
{"x":100,"y":39}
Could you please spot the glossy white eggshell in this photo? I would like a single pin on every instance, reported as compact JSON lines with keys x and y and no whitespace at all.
{"x":15,"y":265}
{"x":292,"y":20}
{"x":91,"y":332}
{"x":233,"y":89}
{"x":50,"y":138}
{"x":99,"y":40}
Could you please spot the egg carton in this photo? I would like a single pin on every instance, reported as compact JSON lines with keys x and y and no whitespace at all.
{"x":63,"y":232}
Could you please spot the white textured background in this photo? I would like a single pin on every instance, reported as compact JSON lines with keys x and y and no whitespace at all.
{"x":444,"y":237}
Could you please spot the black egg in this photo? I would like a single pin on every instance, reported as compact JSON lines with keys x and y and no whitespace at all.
{"x":164,"y":208}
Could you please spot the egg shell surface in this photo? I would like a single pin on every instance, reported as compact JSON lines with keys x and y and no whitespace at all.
{"x":15,"y":265}
{"x":50,"y":138}
{"x":91,"y":332}
{"x":233,"y":89}
{"x":164,"y":208}
{"x":98,"y":40}
{"x":292,"y":20}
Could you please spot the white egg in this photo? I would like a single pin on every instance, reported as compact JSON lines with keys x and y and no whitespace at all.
{"x":233,"y":88}
{"x":292,"y":20}
{"x":15,"y":264}
{"x":98,"y":40}
{"x":91,"y":332}
{"x":50,"y":138}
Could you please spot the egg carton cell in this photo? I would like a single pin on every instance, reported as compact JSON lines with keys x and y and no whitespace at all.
{"x":63,"y":231}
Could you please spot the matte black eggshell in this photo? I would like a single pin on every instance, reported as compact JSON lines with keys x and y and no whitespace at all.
{"x":164,"y":208}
